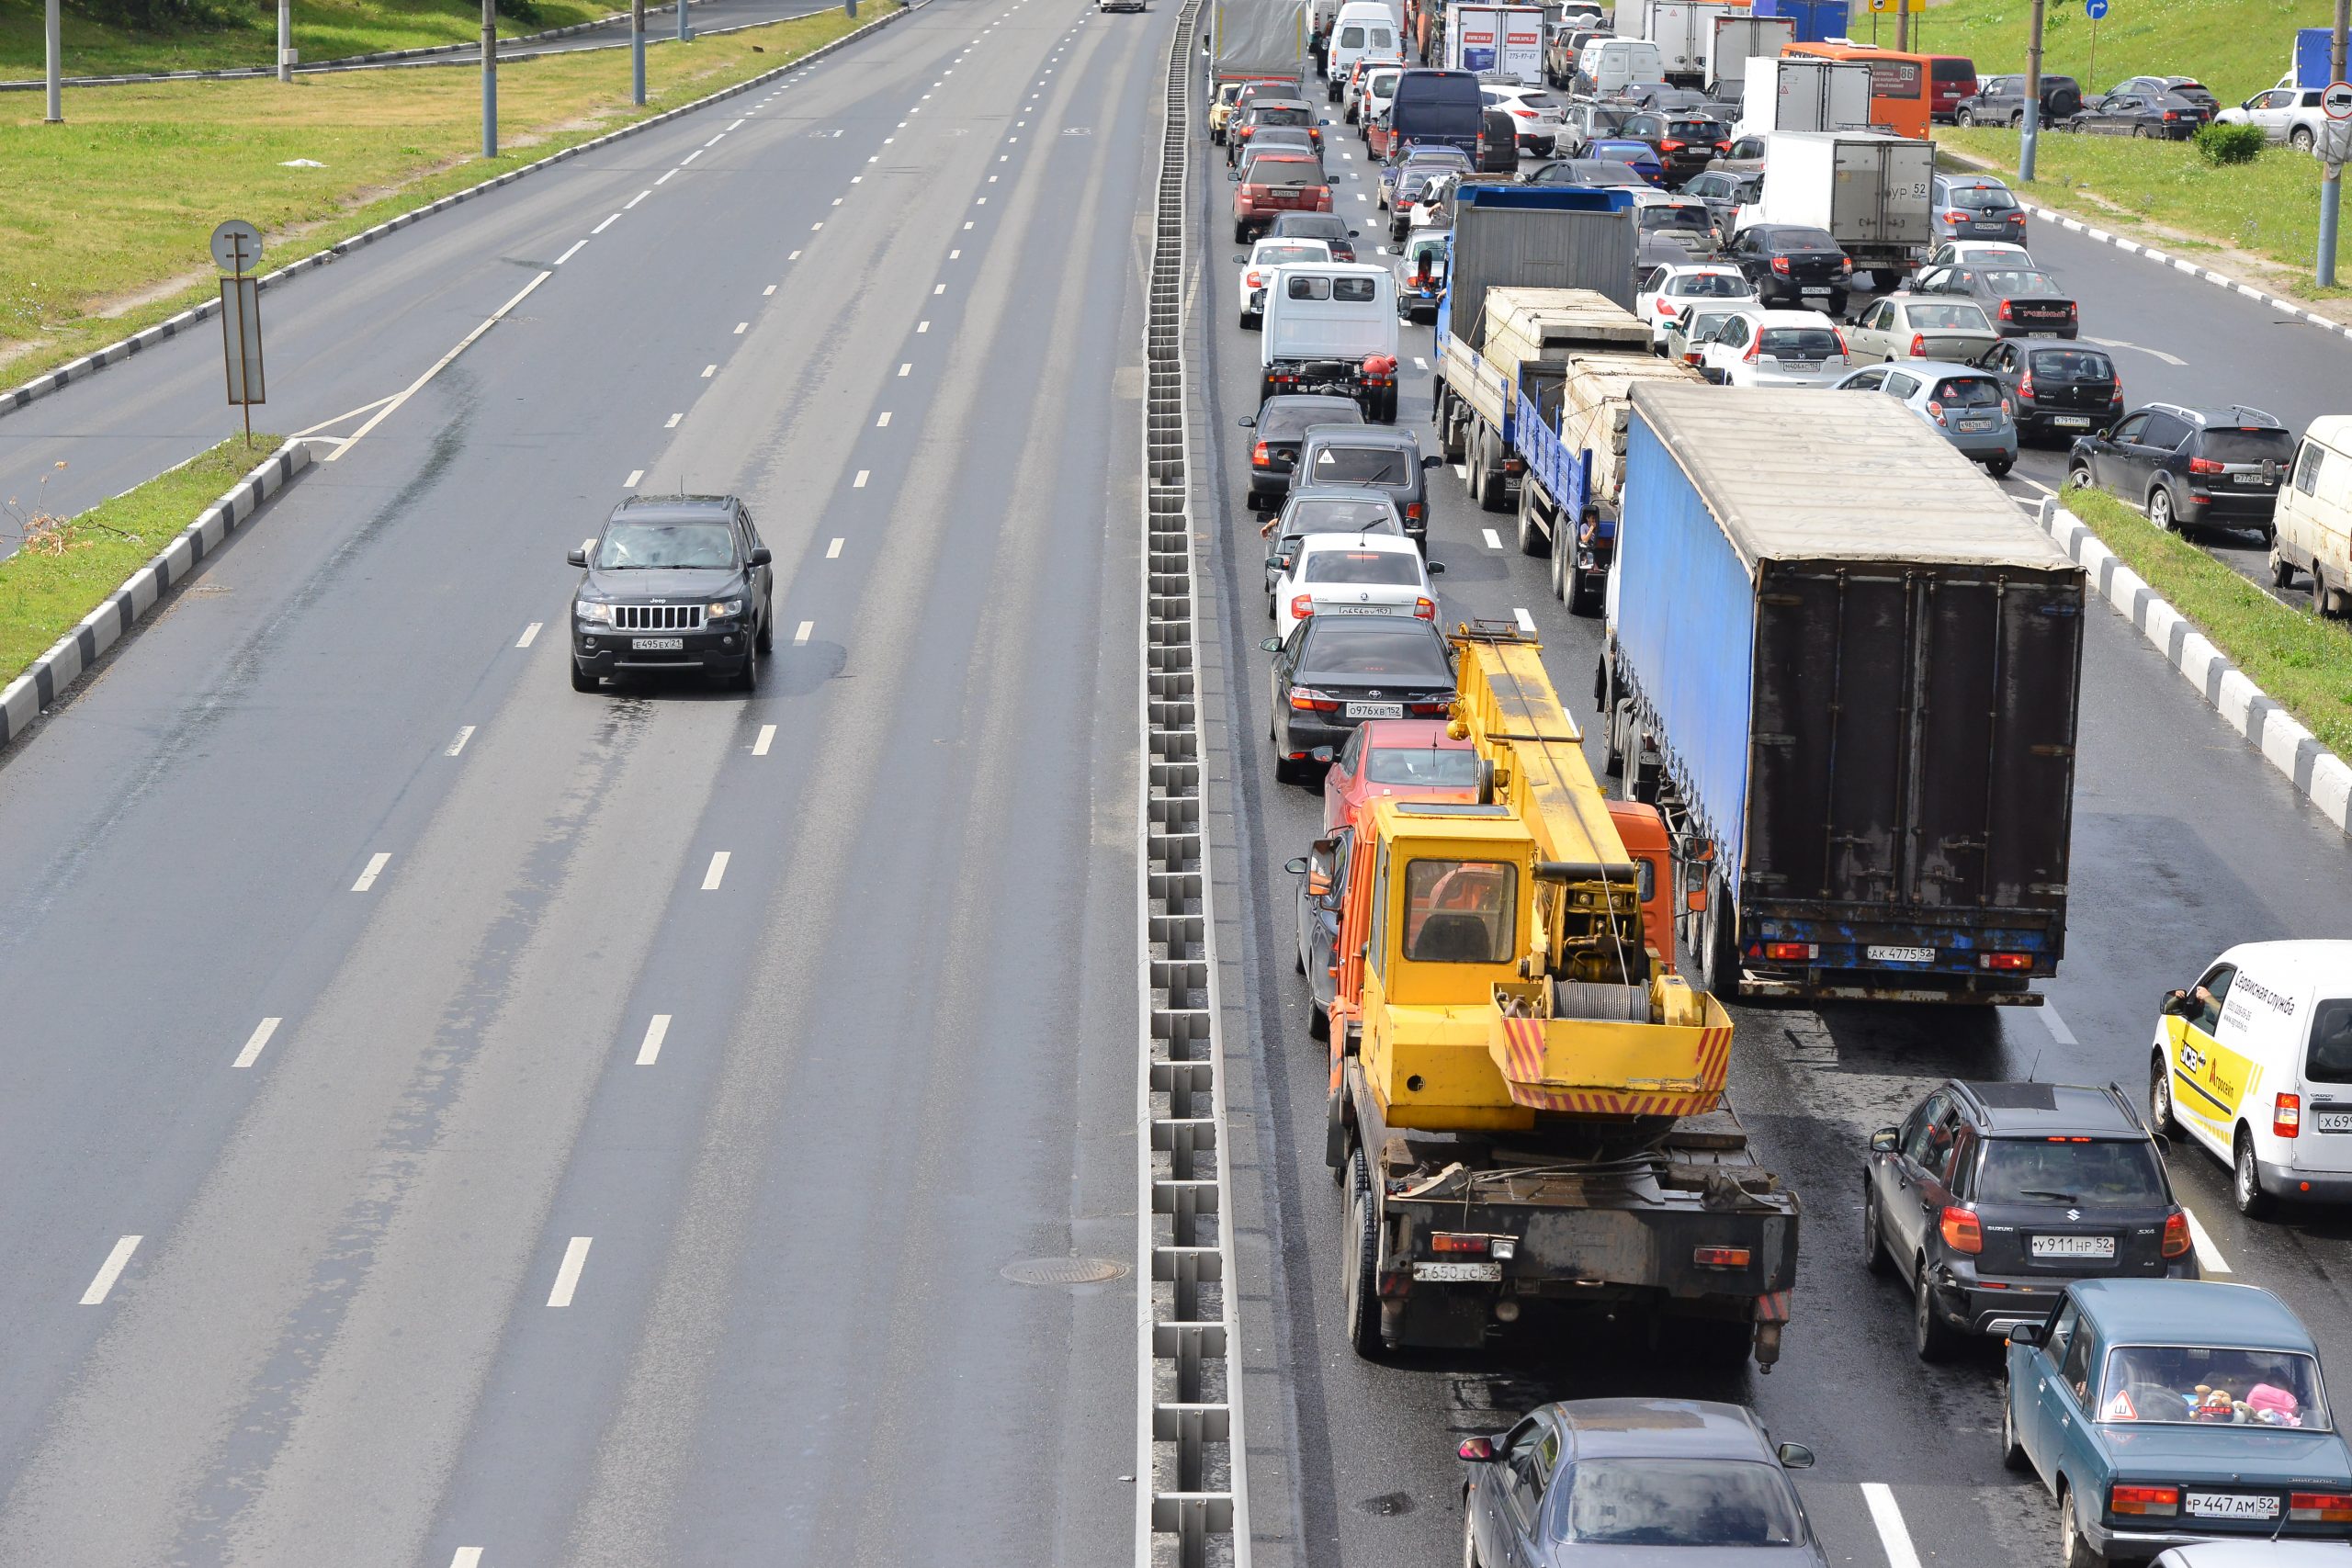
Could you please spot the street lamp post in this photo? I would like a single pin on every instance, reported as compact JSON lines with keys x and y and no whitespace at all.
{"x":2331,"y":189}
{"x":637,"y":51}
{"x":2032,"y":126}
{"x":490,"y":78}
{"x":56,"y":32}
{"x":683,"y":36}
{"x":285,"y":40}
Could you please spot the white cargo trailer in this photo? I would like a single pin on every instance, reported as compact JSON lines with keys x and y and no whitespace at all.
{"x":1796,"y":93}
{"x":1737,"y":39}
{"x":1507,"y":40}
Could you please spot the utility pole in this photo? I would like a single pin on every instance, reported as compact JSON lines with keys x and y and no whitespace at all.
{"x":490,"y":78}
{"x":683,"y":36}
{"x":2034,"y":97}
{"x":637,"y":51}
{"x":56,"y":114}
{"x":1903,"y":27}
{"x":285,"y":40}
{"x":2331,"y":189}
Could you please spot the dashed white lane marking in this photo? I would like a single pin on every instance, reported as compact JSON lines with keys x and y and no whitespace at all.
{"x":634,"y":475}
{"x":834,"y":550}
{"x":715,"y":140}
{"x":814,"y":227}
{"x":939,"y":289}
{"x":904,"y":370}
{"x":743,"y":327}
{"x":656,"y":1032}
{"x":692,"y":156}
{"x":531,"y":634}
{"x":716,"y":872}
{"x":991,"y":179}
{"x":375,"y":864}
{"x":882,"y":420}
{"x":766,"y":740}
{"x":1526,"y":622}
{"x":767,"y":291}
{"x":1494,"y":540}
{"x":256,"y":1041}
{"x":1419,"y":364}
{"x":795,"y":255}
{"x":859,"y":482}
{"x":665,"y":179}
{"x":2056,"y":1025}
{"x":800,"y":633}
{"x":837,"y":201}
{"x":922,"y":326}
{"x":465,"y":733}
{"x":632,"y":201}
{"x":110,"y":1270}
{"x":968,"y":223}
{"x":1888,"y":1518}
{"x":708,"y":371}
{"x":468,"y":1557}
{"x":2208,"y":1256}
{"x":954,"y":254}
{"x":672,"y":423}
{"x":605,"y":224}
{"x":566,"y":1274}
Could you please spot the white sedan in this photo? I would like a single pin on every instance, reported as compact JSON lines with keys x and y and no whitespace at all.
{"x":1988,"y":253}
{"x":1259,"y":264}
{"x":1354,"y":574}
{"x":1777,"y":348}
{"x":1665,"y":291}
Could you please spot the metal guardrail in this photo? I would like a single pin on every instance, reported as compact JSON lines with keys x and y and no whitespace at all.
{"x":1193,"y":1506}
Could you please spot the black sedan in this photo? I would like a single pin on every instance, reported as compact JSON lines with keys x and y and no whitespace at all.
{"x":1586,"y":172}
{"x":2060,"y":391}
{"x":1609,"y":1481}
{"x":673,"y":585}
{"x":1327,"y":227}
{"x":2023,"y":300}
{"x":1332,"y":673}
{"x":1280,"y":424}
{"x":1793,"y":267}
{"x":2164,"y":116}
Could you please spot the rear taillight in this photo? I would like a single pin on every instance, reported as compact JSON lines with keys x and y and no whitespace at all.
{"x":1791,"y":952}
{"x":1693,"y":356}
{"x":1525,"y":114}
{"x":2116,"y":397}
{"x":1302,"y":606}
{"x":1843,"y":352}
{"x":2161,"y":1501}
{"x":2005,"y":310}
{"x":2203,"y":466}
{"x":1955,"y":216}
{"x":1918,"y":346}
{"x":1412,"y":511}
{"x":1250,"y":280}
{"x":2025,"y":385}
{"x":1960,"y":1231}
{"x":1306,"y":699}
{"x":1428,"y":710}
{"x":1936,"y":412}
{"x":1425,"y":609}
{"x":2007,"y":411}
{"x":1844,"y":266}
{"x":1780,"y":265}
{"x":2169,"y":115}
{"x":2176,"y":1239}
{"x":1749,"y":357}
{"x":2319,"y":1507}
{"x":2005,"y":960}
{"x":1258,"y":458}
{"x":1456,"y":1241}
{"x":2287,"y":1116}
{"x":1720,"y":1257}
{"x":1664,"y":308}
{"x":1668,"y":144}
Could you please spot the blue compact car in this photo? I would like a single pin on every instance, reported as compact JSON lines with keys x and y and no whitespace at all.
{"x":1640,"y":156}
{"x":2165,"y":1412}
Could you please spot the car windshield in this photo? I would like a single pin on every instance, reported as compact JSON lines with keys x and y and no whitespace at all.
{"x":628,"y":546}
{"x":2195,"y":1384}
{"x":1983,"y":198}
{"x":2012,"y":283}
{"x":1361,"y":465}
{"x":1376,"y":569}
{"x":2116,"y":1171}
{"x":2247,"y":445}
{"x":1709,"y":286}
{"x":1949,"y":319}
{"x":1678,"y":1502}
{"x":1460,"y":911}
{"x":2071,"y":365}
{"x":1313,"y":516}
{"x":1408,"y":650}
{"x":1798,"y":342}
{"x":1425,"y":767}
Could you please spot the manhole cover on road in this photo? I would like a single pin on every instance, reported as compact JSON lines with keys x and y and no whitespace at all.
{"x":1063,"y":1270}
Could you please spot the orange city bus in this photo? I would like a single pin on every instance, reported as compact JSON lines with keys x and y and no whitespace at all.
{"x":1902,"y":85}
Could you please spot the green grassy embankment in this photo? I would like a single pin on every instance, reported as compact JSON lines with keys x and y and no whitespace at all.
{"x":2236,"y":47}
{"x":323,"y":30}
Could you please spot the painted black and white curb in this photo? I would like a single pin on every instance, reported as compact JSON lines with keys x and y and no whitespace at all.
{"x":2318,"y":773}
{"x":14,"y":397}
{"x":23,"y":699}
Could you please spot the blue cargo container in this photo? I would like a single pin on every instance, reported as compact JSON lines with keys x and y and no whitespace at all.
{"x":1847,"y":671}
{"x":1818,"y":20}
{"x":2315,"y":53}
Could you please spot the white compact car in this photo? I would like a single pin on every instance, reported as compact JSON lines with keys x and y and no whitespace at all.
{"x":1664,"y":292}
{"x":1258,"y":268}
{"x":1537,"y":113}
{"x":1354,"y":574}
{"x":1777,"y":348}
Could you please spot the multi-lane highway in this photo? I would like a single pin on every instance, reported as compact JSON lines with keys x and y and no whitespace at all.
{"x":454,"y":1113}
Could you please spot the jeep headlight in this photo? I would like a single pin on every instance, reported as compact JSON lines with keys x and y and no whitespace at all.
{"x":721,"y":608}
{"x":601,"y":615}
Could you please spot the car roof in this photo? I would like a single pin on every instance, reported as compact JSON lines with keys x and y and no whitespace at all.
{"x":1366,"y":435}
{"x":2005,"y":1108}
{"x":1659,"y":1429}
{"x":1794,"y":319}
{"x":2175,"y":1312}
{"x":2303,"y":954}
{"x":1357,"y":539}
{"x":2234,"y":414}
{"x":682,"y":508}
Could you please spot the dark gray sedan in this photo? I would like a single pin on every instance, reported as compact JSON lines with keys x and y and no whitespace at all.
{"x":1325,"y":509}
{"x":1379,"y":456}
{"x":1601,"y":1481}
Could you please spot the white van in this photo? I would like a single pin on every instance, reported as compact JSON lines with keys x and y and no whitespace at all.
{"x":2313,"y":522}
{"x":1331,"y":326}
{"x":1612,"y":66}
{"x":1362,"y":26}
{"x":2255,"y":1062}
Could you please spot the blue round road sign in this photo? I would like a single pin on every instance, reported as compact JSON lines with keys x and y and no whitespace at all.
{"x":2095,"y":9}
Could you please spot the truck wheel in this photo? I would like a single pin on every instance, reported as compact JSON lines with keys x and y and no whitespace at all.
{"x":1474,"y":456}
{"x":1360,"y":1242}
{"x":1318,"y":1022}
{"x":1486,"y":479}
{"x":1563,"y":576}
{"x":1717,"y":952}
{"x":1533,"y":540}
{"x":1586,"y":591}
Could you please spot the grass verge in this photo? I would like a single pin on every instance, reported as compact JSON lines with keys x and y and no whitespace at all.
{"x":2236,"y":47}
{"x":66,"y":569}
{"x":2268,"y":208}
{"x":323,"y":30}
{"x":89,"y":220}
{"x":2303,"y":661}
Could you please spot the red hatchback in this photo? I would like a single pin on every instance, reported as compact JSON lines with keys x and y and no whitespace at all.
{"x":1275,"y":182}
{"x":1406,"y":759}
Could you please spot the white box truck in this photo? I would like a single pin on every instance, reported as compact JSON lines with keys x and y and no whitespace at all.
{"x":1682,"y":30}
{"x":1737,"y":39}
{"x":1794,"y":93}
{"x":1505,"y":40}
{"x":1872,"y":192}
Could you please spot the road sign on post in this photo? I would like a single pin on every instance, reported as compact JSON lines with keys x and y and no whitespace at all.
{"x":237,"y":247}
{"x":2095,"y":9}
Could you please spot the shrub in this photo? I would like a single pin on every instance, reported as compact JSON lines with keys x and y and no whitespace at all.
{"x":2230,"y":143}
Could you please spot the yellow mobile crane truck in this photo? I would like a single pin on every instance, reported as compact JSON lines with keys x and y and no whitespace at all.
{"x":1527,"y":1106}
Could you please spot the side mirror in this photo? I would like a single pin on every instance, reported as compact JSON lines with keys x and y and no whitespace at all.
{"x":1272,"y":645}
{"x":1477,"y":1450}
{"x":1321,"y":754}
{"x":2027,"y":1334}
{"x":576,"y":557}
{"x":1436,"y":567}
{"x":1884,"y":1140}
{"x":1247,"y":422}
{"x":1355,"y":234}
{"x":763,"y":555}
{"x":1431,"y":461}
{"x":2178,"y":1004}
{"x":1794,"y":1456}
{"x":1241,"y":261}
{"x":1295,"y":865}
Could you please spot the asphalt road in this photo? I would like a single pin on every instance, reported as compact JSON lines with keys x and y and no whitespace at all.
{"x":2185,"y":841}
{"x":452,"y":1113}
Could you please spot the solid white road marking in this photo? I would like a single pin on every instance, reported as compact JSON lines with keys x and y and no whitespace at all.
{"x":605,"y":224}
{"x":1494,"y":540}
{"x":656,"y":1032}
{"x":2038,"y":485}
{"x":110,"y":1270}
{"x":1892,"y":1535}
{"x":717,"y":870}
{"x":834,"y":550}
{"x":1526,"y":622}
{"x":859,"y":482}
{"x":530,"y":633}
{"x":632,"y":201}
{"x":439,"y":365}
{"x":2119,"y":343}
{"x":766,"y":740}
{"x":255,"y":1041}
{"x":567,"y":1275}
{"x":465,"y":733}
{"x":882,"y":421}
{"x":2056,"y":1025}
{"x":800,"y":634}
{"x":672,"y":423}
{"x":2208,"y":1256}
{"x":375,"y":864}
{"x":634,"y":475}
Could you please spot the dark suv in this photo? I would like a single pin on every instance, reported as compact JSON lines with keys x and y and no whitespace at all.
{"x":2189,"y":467}
{"x":2000,"y":101}
{"x":1793,"y":267}
{"x":675,"y":584}
{"x":1991,"y":1197}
